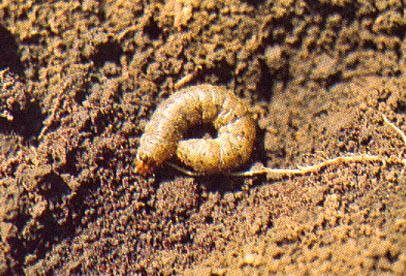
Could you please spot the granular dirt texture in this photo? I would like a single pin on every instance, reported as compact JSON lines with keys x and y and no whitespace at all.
{"x":79,"y":80}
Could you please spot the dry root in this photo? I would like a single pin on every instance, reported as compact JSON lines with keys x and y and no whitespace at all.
{"x":363,"y":158}
{"x":277,"y":173}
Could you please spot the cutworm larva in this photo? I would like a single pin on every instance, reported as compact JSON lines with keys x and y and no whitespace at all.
{"x":193,"y":106}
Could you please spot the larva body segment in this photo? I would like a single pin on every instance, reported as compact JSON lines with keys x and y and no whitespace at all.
{"x":230,"y":149}
{"x":189,"y":107}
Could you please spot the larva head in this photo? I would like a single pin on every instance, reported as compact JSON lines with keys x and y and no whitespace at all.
{"x":143,"y":168}
{"x":145,"y":163}
{"x":153,"y":151}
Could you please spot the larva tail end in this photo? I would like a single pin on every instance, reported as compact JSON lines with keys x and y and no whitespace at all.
{"x":142,"y":168}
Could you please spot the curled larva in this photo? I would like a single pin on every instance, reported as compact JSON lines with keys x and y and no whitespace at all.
{"x":189,"y":107}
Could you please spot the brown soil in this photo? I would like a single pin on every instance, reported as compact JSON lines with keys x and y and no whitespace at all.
{"x":83,"y":77}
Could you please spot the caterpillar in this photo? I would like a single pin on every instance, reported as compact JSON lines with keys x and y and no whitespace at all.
{"x":189,"y":107}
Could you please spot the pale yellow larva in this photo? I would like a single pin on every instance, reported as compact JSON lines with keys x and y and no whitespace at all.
{"x":189,"y":107}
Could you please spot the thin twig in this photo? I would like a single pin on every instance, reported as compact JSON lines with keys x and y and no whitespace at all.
{"x":183,"y":170}
{"x":48,"y":122}
{"x":395,"y":128}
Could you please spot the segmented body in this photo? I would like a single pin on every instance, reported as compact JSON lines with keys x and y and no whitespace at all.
{"x":189,"y":107}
